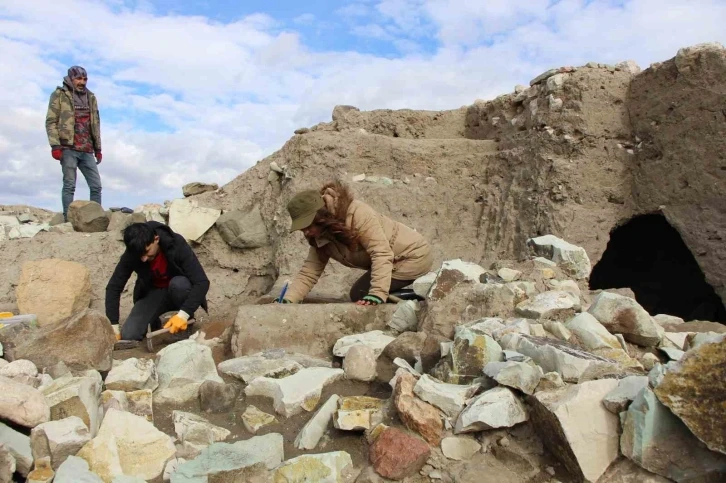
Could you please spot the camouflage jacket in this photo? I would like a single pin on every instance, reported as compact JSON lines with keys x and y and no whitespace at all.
{"x":60,"y":121}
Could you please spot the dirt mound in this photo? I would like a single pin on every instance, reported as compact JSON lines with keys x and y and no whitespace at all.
{"x":578,"y":153}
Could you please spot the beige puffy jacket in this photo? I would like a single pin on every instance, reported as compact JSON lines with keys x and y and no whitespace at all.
{"x":386,"y":247}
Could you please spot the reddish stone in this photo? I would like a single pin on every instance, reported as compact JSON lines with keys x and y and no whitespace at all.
{"x":397,"y":455}
{"x":416,"y":414}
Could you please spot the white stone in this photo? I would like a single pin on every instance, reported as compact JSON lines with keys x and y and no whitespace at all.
{"x":549,"y":305}
{"x":224,"y":457}
{"x":618,"y":400}
{"x":591,"y":333}
{"x":569,"y":257}
{"x":171,"y":467}
{"x":701,"y":339}
{"x":295,"y":393}
{"x":487,"y":326}
{"x":516,"y":326}
{"x":190,"y":220}
{"x":314,"y":429}
{"x":509,"y":275}
{"x":678,"y":339}
{"x":249,"y":368}
{"x":624,"y":315}
{"x":459,"y":448}
{"x":552,"y":356}
{"x":450,"y":398}
{"x":22,"y":371}
{"x":580,"y":424}
{"x":554,"y":103}
{"x":132,"y":375}
{"x":557,"y":329}
{"x":26,"y":231}
{"x":422,"y":285}
{"x":629,"y":66}
{"x":152,"y":212}
{"x":127,"y":444}
{"x":496,"y":408}
{"x":555,"y":82}
{"x":196,"y":431}
{"x":360,"y":363}
{"x":320,"y":468}
{"x":19,"y":446}
{"x":517,"y":375}
{"x":405,"y":318}
{"x":673,"y":353}
{"x":463,"y":272}
{"x":569,"y":286}
{"x":375,"y":339}
{"x":665,"y":319}
{"x":9,"y":220}
{"x":75,"y":470}
{"x":182,"y":367}
{"x":59,"y":439}
{"x":75,"y":396}
{"x":22,"y":404}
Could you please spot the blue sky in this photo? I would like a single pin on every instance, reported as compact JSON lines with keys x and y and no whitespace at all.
{"x":202,"y":90}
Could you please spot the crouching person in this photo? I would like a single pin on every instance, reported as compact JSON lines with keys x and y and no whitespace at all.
{"x":169,"y":277}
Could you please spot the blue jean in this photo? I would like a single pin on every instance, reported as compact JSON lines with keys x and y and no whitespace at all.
{"x":86,"y":162}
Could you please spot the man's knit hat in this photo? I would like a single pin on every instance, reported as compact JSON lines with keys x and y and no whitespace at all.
{"x":77,"y":71}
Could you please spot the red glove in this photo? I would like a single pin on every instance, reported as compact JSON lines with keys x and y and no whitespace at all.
{"x":57,"y":153}
{"x":99,"y":156}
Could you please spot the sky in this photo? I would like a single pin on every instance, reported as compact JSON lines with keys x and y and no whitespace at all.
{"x":201,"y":90}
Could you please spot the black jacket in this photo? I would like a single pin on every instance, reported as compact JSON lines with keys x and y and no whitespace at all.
{"x":181,"y":261}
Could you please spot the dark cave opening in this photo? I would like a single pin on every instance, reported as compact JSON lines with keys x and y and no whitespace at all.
{"x":648,"y":255}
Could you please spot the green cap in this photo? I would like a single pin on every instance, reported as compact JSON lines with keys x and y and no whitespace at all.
{"x":303,"y":207}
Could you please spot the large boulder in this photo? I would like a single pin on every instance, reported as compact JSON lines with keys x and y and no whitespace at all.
{"x":690,"y":389}
{"x":577,"y":428}
{"x":53,"y":289}
{"x":128,"y":445}
{"x":87,"y":216}
{"x":182,"y":368}
{"x":657,"y":440}
{"x":22,"y":404}
{"x":623,"y":315}
{"x":311,"y":329}
{"x":83,"y":341}
{"x":243,"y":229}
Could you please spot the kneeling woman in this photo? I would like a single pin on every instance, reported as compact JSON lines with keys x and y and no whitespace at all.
{"x":354,"y":234}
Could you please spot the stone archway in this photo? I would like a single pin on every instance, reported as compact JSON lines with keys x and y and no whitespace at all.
{"x":649,"y":256}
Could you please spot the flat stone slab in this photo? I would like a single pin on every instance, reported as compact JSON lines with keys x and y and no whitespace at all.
{"x":296,"y":393}
{"x":310,"y":329}
{"x":618,"y":400}
{"x":375,"y":339}
{"x":250,"y":368}
{"x":320,"y":468}
{"x":225,"y":458}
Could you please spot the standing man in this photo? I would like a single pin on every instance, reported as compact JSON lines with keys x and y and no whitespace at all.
{"x":168,"y":277}
{"x":74,"y":133}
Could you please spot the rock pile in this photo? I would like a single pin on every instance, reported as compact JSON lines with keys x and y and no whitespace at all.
{"x":542,"y":360}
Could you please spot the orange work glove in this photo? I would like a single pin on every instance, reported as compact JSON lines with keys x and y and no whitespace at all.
{"x":176,"y":324}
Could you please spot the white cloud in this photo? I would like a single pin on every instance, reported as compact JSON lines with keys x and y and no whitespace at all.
{"x":233,"y":92}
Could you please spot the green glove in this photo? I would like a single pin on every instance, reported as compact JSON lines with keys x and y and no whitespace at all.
{"x":373,"y":299}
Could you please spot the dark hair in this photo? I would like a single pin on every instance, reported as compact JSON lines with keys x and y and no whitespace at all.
{"x":335,"y":228}
{"x":137,"y":236}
